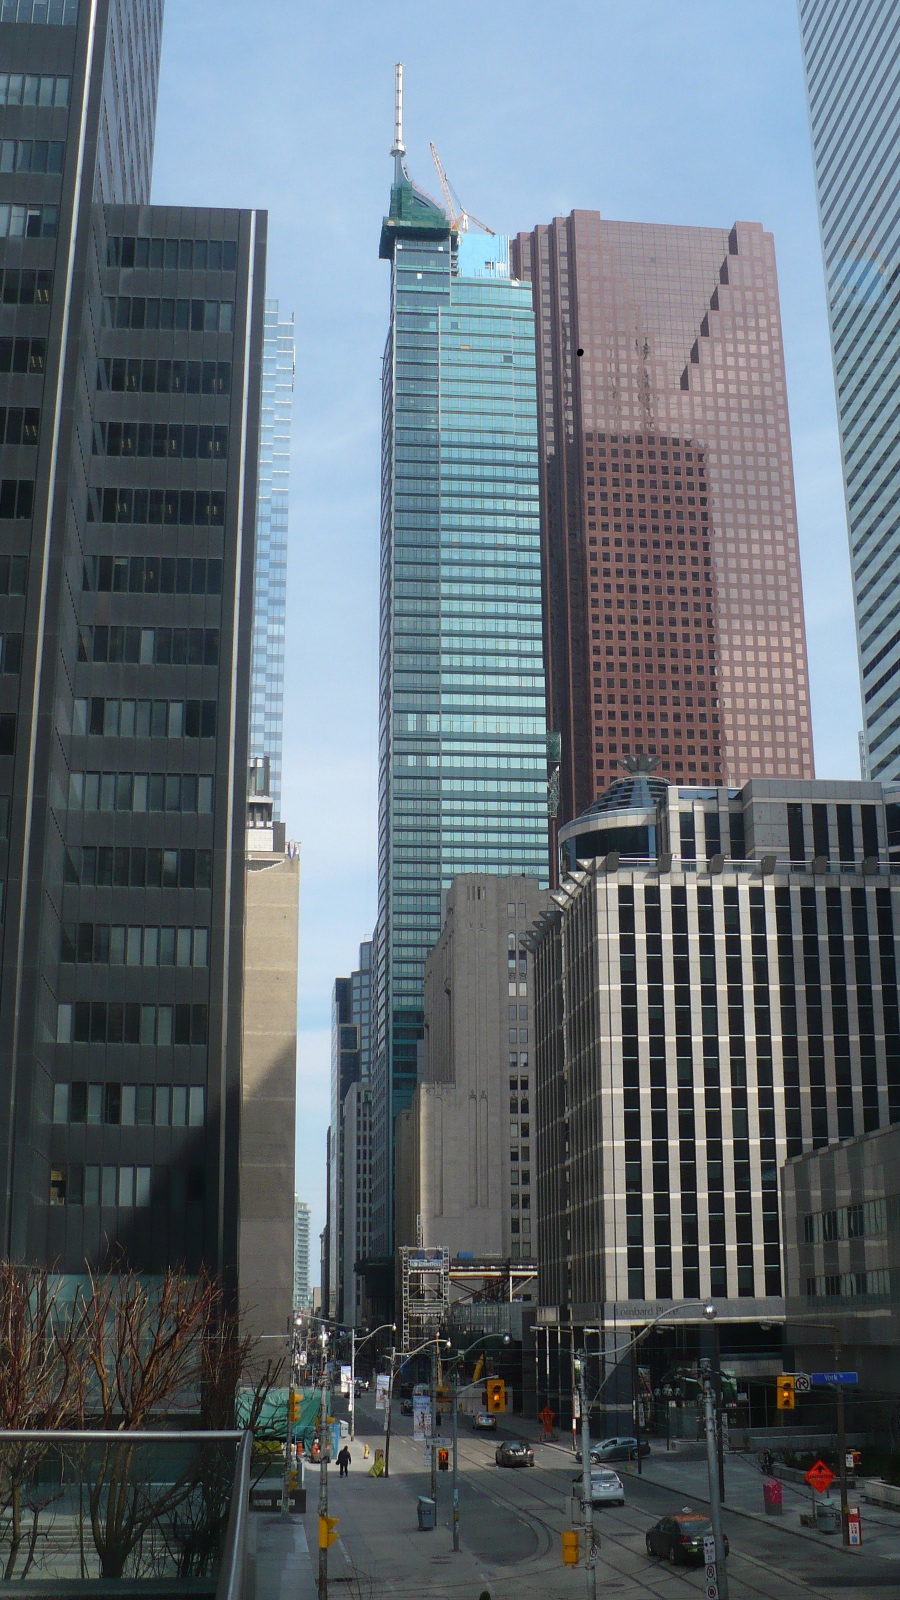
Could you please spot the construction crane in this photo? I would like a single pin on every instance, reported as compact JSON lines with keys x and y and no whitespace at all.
{"x":460,"y":218}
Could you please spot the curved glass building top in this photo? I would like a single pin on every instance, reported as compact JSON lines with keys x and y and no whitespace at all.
{"x":853,"y":89}
{"x":625,"y":818}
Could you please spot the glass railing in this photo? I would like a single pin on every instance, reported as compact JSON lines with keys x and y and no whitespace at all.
{"x":165,"y":1512}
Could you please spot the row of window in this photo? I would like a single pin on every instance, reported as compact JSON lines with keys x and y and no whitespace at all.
{"x":75,"y":1185}
{"x":139,"y":791}
{"x":847,"y":1285}
{"x":187,"y":508}
{"x":16,"y":498}
{"x":180,"y":647}
{"x":28,"y":222}
{"x":190,"y":255}
{"x":123,"y":946}
{"x":115,"y":1022}
{"x":137,"y":867}
{"x":13,"y":572}
{"x":26,"y":286}
{"x":130,"y":1105}
{"x":57,"y":12}
{"x":185,"y":316}
{"x":19,"y":424}
{"x":31,"y":155}
{"x":33,"y":89}
{"x":152,"y":575}
{"x":145,"y":719}
{"x":169,"y":441}
{"x":849,"y":1222}
{"x":163,"y":377}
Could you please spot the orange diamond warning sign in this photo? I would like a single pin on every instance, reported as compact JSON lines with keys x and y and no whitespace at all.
{"x":820,"y":1477}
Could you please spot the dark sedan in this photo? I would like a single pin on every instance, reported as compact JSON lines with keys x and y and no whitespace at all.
{"x":514,"y":1453}
{"x":680,"y":1538}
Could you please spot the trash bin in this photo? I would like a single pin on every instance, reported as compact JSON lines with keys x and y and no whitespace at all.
{"x":828,"y":1516}
{"x":773,"y":1497}
{"x":426,"y":1508}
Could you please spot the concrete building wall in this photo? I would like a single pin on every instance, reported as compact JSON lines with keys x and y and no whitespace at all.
{"x":469,"y":1139}
{"x":268,"y":1090}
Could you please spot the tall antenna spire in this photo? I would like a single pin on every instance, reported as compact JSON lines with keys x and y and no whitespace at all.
{"x":398,"y":148}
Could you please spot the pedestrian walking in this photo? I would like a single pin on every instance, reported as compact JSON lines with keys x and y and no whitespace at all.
{"x":344,"y":1459}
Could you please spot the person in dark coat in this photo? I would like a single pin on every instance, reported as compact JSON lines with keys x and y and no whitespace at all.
{"x":343,"y":1460}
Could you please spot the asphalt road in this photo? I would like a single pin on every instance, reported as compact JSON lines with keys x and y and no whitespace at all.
{"x":511,"y":1520}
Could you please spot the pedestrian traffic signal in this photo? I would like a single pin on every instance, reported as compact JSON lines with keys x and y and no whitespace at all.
{"x":443,"y":1461}
{"x":785,"y":1398}
{"x":570,"y":1550}
{"x":328,"y":1527}
{"x":496,"y":1395}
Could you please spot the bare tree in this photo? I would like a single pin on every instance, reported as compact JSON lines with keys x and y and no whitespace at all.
{"x":41,"y":1387}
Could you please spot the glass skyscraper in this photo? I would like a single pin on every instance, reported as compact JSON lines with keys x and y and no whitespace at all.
{"x":853,"y":88}
{"x":270,"y":576}
{"x":462,"y":751}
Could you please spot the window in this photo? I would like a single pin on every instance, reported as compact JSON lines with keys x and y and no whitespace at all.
{"x":144,"y":719}
{"x":31,"y":155}
{"x":136,"y":867}
{"x":165,"y":441}
{"x":186,"y":316}
{"x":99,"y":943}
{"x":179,"y":647}
{"x":16,"y":498}
{"x":138,"y":791}
{"x":185,"y":255}
{"x":115,"y":1022}
{"x":59,"y":12}
{"x":153,"y":575}
{"x":30,"y":89}
{"x":10,"y":652}
{"x":164,"y":377}
{"x":28,"y":221}
{"x":170,"y":507}
{"x":19,"y":424}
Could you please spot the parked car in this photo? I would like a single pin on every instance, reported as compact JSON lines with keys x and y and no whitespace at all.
{"x":679,"y":1538}
{"x":622,"y":1447}
{"x":514,"y":1453}
{"x":484,"y":1422}
{"x":606,"y":1487}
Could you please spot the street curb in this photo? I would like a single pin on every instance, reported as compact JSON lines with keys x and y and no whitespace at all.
{"x":775,"y":1522}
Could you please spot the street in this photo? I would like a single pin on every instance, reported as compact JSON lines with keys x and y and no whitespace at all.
{"x":511,"y":1522}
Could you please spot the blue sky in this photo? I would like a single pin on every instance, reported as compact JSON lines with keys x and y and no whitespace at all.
{"x":641,"y":109}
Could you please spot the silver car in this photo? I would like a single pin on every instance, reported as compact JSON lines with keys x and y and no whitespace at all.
{"x":607,"y":1488}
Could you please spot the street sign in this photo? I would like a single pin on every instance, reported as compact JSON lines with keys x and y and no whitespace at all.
{"x":801,"y":1383}
{"x":712,"y":1590}
{"x":854,"y":1525}
{"x":709,"y":1550}
{"x":819,"y":1378}
{"x":820,"y":1477}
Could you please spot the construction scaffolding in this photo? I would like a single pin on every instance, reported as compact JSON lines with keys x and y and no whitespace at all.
{"x":425,"y":1293}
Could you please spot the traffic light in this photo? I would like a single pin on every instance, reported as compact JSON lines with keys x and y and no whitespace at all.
{"x":443,"y":1461}
{"x":570,"y":1550}
{"x":293,"y":1406}
{"x":785,"y":1398}
{"x":328,"y":1527}
{"x":496,"y":1395}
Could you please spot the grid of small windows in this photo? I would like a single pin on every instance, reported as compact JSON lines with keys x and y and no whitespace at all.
{"x":116,"y":944}
{"x":26,"y":286}
{"x":28,"y":222}
{"x":270,"y":569}
{"x":137,"y":867}
{"x":139,"y":791}
{"x":128,"y":1022}
{"x":875,"y":1285}
{"x":866,"y":1219}
{"x":54,"y":12}
{"x":131,"y":376}
{"x":191,"y":647}
{"x":169,"y":441}
{"x":170,"y":507}
{"x":108,"y":574}
{"x":32,"y":155}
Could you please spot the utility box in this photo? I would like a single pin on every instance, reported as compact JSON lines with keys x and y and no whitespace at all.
{"x":427,"y":1513}
{"x":773,"y":1497}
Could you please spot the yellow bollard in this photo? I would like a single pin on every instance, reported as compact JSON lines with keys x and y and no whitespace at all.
{"x":365,"y":1452}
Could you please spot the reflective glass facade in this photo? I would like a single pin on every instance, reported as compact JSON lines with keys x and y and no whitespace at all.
{"x":270,"y":577}
{"x":463,"y":731}
{"x":853,"y":89}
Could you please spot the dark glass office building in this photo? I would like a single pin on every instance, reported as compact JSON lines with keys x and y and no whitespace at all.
{"x":130,"y":341}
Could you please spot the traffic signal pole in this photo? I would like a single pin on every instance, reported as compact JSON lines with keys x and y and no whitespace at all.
{"x":587,"y":1494}
{"x":712,"y":1463}
{"x":455,"y":1401}
{"x":323,"y":1486}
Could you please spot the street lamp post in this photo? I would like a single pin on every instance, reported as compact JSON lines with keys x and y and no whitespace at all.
{"x":407,"y":1356}
{"x":353,"y":1349}
{"x":323,"y":1477}
{"x":587,"y":1488}
{"x":455,"y":1403}
{"x":835,"y":1329}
